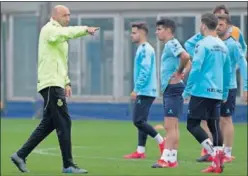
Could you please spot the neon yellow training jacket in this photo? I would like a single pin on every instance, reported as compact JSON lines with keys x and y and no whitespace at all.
{"x":53,"y":53}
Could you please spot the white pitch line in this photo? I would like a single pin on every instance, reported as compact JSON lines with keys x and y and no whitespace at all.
{"x":48,"y":151}
{"x":45,"y":152}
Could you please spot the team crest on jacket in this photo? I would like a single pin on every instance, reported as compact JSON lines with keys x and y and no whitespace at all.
{"x":60,"y":102}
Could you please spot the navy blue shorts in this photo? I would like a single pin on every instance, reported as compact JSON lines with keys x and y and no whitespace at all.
{"x":142,"y":107}
{"x":173,"y":100}
{"x":203,"y":108}
{"x":228,"y":108}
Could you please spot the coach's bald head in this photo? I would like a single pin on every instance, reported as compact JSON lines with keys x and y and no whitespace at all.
{"x":61,"y":14}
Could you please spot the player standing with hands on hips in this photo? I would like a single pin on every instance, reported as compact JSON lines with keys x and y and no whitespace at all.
{"x":54,"y":86}
{"x":175,"y":62}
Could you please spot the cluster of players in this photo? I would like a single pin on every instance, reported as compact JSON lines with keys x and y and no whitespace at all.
{"x":210,"y":59}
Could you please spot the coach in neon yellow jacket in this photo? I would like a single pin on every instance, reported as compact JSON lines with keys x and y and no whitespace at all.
{"x":53,"y":52}
{"x":54,"y":86}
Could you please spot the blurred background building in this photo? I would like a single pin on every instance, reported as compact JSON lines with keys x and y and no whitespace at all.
{"x":100,"y":67}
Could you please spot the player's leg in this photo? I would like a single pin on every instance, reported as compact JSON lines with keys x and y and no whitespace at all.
{"x":141,"y":148}
{"x":228,"y":135}
{"x":44,"y":128}
{"x":205,"y":156}
{"x":226,"y":124}
{"x":142,"y":138}
{"x":216,"y":132}
{"x":140,"y":115}
{"x":62,"y":123}
{"x":199,"y":110}
{"x":197,"y":113}
{"x":204,"y":125}
{"x":170,"y":152}
{"x":173,"y":107}
{"x":214,"y":127}
{"x":179,"y":112}
{"x":178,"y":136}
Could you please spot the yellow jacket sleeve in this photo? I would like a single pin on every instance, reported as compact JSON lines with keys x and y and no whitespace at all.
{"x":62,"y":34}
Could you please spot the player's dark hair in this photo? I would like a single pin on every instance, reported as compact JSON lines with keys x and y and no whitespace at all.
{"x":224,"y":17}
{"x":141,"y":25}
{"x":210,"y":20}
{"x":221,"y":7}
{"x":167,"y":23}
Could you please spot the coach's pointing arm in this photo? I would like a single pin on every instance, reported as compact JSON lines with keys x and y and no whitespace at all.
{"x":62,"y":34}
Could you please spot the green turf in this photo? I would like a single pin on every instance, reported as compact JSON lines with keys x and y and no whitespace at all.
{"x":100,"y":145}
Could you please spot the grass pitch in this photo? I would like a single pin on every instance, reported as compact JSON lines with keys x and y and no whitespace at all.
{"x":99,"y":146}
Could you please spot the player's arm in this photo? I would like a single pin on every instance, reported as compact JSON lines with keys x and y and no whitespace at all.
{"x":187,"y":68}
{"x":184,"y":62}
{"x":61,"y":34}
{"x":227,"y":73}
{"x":178,"y":51}
{"x":191,"y":43}
{"x":242,"y":63}
{"x":198,"y":59}
{"x":145,"y":69}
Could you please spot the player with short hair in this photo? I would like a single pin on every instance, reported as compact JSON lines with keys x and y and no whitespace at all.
{"x":208,"y":85}
{"x":233,"y":31}
{"x":227,"y":109}
{"x":145,"y":89}
{"x":190,"y":47}
{"x":174,"y":60}
{"x":54,"y":86}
